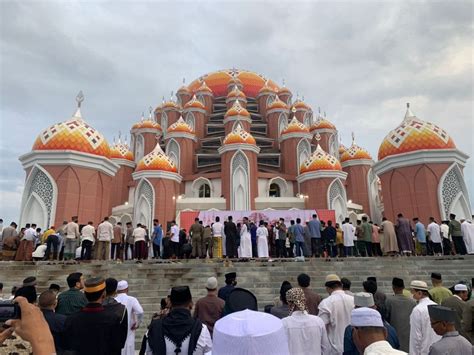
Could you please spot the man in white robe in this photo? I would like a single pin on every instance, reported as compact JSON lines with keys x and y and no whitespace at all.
{"x":135,"y":315}
{"x":348,"y":232}
{"x":467,"y":229}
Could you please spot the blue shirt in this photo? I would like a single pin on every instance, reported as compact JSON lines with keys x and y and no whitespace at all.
{"x":314,"y":227}
{"x":158,"y":235}
{"x":253,"y":234}
{"x":420,"y":232}
{"x":299,"y":233}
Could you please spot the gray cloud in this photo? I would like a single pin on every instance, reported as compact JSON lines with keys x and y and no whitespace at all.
{"x":359,"y":61}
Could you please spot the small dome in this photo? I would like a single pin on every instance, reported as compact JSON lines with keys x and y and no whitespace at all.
{"x":295,"y":126}
{"x":194,"y":103}
{"x":320,"y":160}
{"x":236,"y":93}
{"x":355,"y":153}
{"x":157,"y":160}
{"x":342,"y":149}
{"x":184,"y":89}
{"x":148,"y":123}
{"x":412,"y":135}
{"x":301,"y":105}
{"x":170,"y":104}
{"x":322,"y":123}
{"x":74,"y":134}
{"x":204,"y":88}
{"x":266,"y":89}
{"x":237,"y":110}
{"x":180,"y":126}
{"x":284,"y":90}
{"x":121,"y":151}
{"x":277,"y":104}
{"x":239,"y":136}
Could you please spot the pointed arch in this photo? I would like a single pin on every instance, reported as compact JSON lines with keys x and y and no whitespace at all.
{"x":240,"y":186}
{"x":270,"y":100}
{"x":174,"y":152}
{"x":36,"y":212}
{"x":281,"y":183}
{"x":334,"y":145}
{"x":41,"y":186}
{"x":144,"y":205}
{"x":375,"y":202}
{"x":453,"y":194}
{"x":337,"y":199}
{"x":282,"y":122}
{"x":308,"y":118}
{"x":191,"y":120}
{"x":198,"y":184}
{"x":139,"y":148}
{"x":164,"y":122}
{"x":303,"y":152}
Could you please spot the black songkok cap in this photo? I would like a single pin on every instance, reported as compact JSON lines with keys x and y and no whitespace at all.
{"x":396,"y":282}
{"x":29,"y":281}
{"x":240,"y":299}
{"x":230,"y":275}
{"x":442,"y":313}
{"x":436,"y":275}
{"x":372,"y":278}
{"x":29,"y":292}
{"x":180,"y":295}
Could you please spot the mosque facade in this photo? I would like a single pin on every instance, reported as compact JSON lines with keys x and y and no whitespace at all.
{"x":235,"y":140}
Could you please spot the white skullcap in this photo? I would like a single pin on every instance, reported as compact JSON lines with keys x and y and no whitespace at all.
{"x":211,"y":283}
{"x":460,"y":287}
{"x":250,"y":332}
{"x":366,"y":317}
{"x":363,"y":299}
{"x":122,"y":285}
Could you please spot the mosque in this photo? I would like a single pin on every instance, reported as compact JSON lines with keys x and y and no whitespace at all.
{"x":235,"y":140}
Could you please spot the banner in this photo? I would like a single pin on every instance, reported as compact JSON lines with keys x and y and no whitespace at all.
{"x":186,"y":218}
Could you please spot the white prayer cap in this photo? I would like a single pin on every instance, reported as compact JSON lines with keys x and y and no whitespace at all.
{"x":122,"y":285}
{"x":363,"y":299}
{"x":460,"y":287}
{"x":250,"y":332}
{"x":211,"y":283}
{"x":366,"y":317}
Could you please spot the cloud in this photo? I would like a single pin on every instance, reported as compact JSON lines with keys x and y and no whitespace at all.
{"x":360,"y":61}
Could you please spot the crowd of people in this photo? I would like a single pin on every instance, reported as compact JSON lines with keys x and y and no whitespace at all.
{"x":245,"y":239}
{"x":98,"y":316}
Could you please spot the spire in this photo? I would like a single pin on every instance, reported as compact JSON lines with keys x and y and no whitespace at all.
{"x":150,"y":109}
{"x":184,"y":80}
{"x":408,"y":114}
{"x":318,"y":138}
{"x":120,"y":137}
{"x":353,"y":138}
{"x":284,"y":83}
{"x":143,"y":117}
{"x":294,"y":111}
{"x":79,"y":99}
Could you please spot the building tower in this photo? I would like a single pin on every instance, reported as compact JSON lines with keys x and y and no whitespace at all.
{"x":303,"y":112}
{"x":361,"y":183}
{"x":183,"y":94}
{"x":421,"y":171}
{"x":170,"y":113}
{"x":69,"y":173}
{"x":266,"y":95}
{"x":121,"y":155}
{"x":239,"y":170}
{"x":236,"y":115}
{"x":295,"y":146}
{"x":157,"y":188}
{"x":144,"y":136}
{"x":205,"y":95}
{"x":285,"y":94}
{"x":236,"y":95}
{"x":327,"y":131}
{"x":181,"y":144}
{"x":277,"y":120}
{"x":322,"y":180}
{"x":195,"y":115}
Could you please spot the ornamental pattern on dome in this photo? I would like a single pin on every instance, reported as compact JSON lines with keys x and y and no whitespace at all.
{"x":320,"y":160}
{"x":277,"y":104}
{"x":157,"y":160}
{"x":295,"y":126}
{"x":322,"y":123}
{"x":74,"y":134}
{"x":412,"y":135}
{"x":204,"y":87}
{"x":301,"y":105}
{"x":342,"y":149}
{"x":180,"y":126}
{"x":237,"y":110}
{"x":121,"y":151}
{"x":147,"y":124}
{"x":355,"y":152}
{"x":239,"y":135}
{"x":218,"y":81}
{"x":194,"y":103}
{"x":266,"y":88}
{"x":170,"y":104}
{"x":236,"y":93}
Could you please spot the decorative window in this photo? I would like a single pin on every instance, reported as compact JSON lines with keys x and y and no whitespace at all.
{"x":139,"y":148}
{"x":164,"y":122}
{"x":200,"y":97}
{"x":454,"y":194}
{"x":308,"y":118}
{"x":240,"y":183}
{"x":270,"y":100}
{"x":274,"y":190}
{"x":204,"y":191}
{"x":190,"y":120}
{"x":172,"y":150}
{"x":282,"y":122}
{"x":333,"y":145}
{"x":303,"y":151}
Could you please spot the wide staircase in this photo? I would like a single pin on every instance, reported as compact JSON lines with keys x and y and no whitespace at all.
{"x":150,"y":281}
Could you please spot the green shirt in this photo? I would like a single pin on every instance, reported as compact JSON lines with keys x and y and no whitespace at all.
{"x":367,"y":235}
{"x":70,"y":301}
{"x":439,"y":293}
{"x":455,"y":228}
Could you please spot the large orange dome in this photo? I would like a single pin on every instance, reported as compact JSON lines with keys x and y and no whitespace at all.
{"x":218,"y":81}
{"x":157,"y":160}
{"x":320,"y":160}
{"x":121,"y":151}
{"x":74,"y":134}
{"x":239,"y":135}
{"x":412,"y":135}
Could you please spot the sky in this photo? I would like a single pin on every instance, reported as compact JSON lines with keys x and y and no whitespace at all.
{"x":360,"y":61}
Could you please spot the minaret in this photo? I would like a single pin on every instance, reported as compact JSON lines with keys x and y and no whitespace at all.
{"x":183,"y":94}
{"x":285,"y":94}
{"x":195,"y":115}
{"x":239,"y":170}
{"x":236,"y":95}
{"x":265,"y":97}
{"x":328,"y":133}
{"x":205,"y":95}
{"x":277,"y":115}
{"x":121,"y":155}
{"x":183,"y":135}
{"x":144,"y":136}
{"x":170,"y":113}
{"x":303,"y":112}
{"x":235,"y":114}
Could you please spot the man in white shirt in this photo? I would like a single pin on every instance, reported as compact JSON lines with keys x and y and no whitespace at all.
{"x":87,"y":240}
{"x":335,"y":311}
{"x":105,"y":232}
{"x":422,"y":335}
{"x":434,"y":233}
{"x":139,"y":240}
{"x":174,"y":231}
{"x":135,"y":315}
{"x":71,"y":232}
{"x":444,"y":230}
{"x":306,"y":333}
{"x":467,"y":229}
{"x":369,"y":333}
{"x":217,"y":232}
{"x":348,"y":232}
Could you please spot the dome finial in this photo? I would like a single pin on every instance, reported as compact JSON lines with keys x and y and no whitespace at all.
{"x":120,"y":137}
{"x":324,"y":114}
{"x":150,"y":109}
{"x":184,"y":80}
{"x":284,"y":82}
{"x":171,"y":98}
{"x":353,"y":137}
{"x":79,"y":99}
{"x":302,"y":98}
{"x":143,"y":116}
{"x":317,"y":137}
{"x":293,"y":110}
{"x":408,"y":114}
{"x":163,"y":100}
